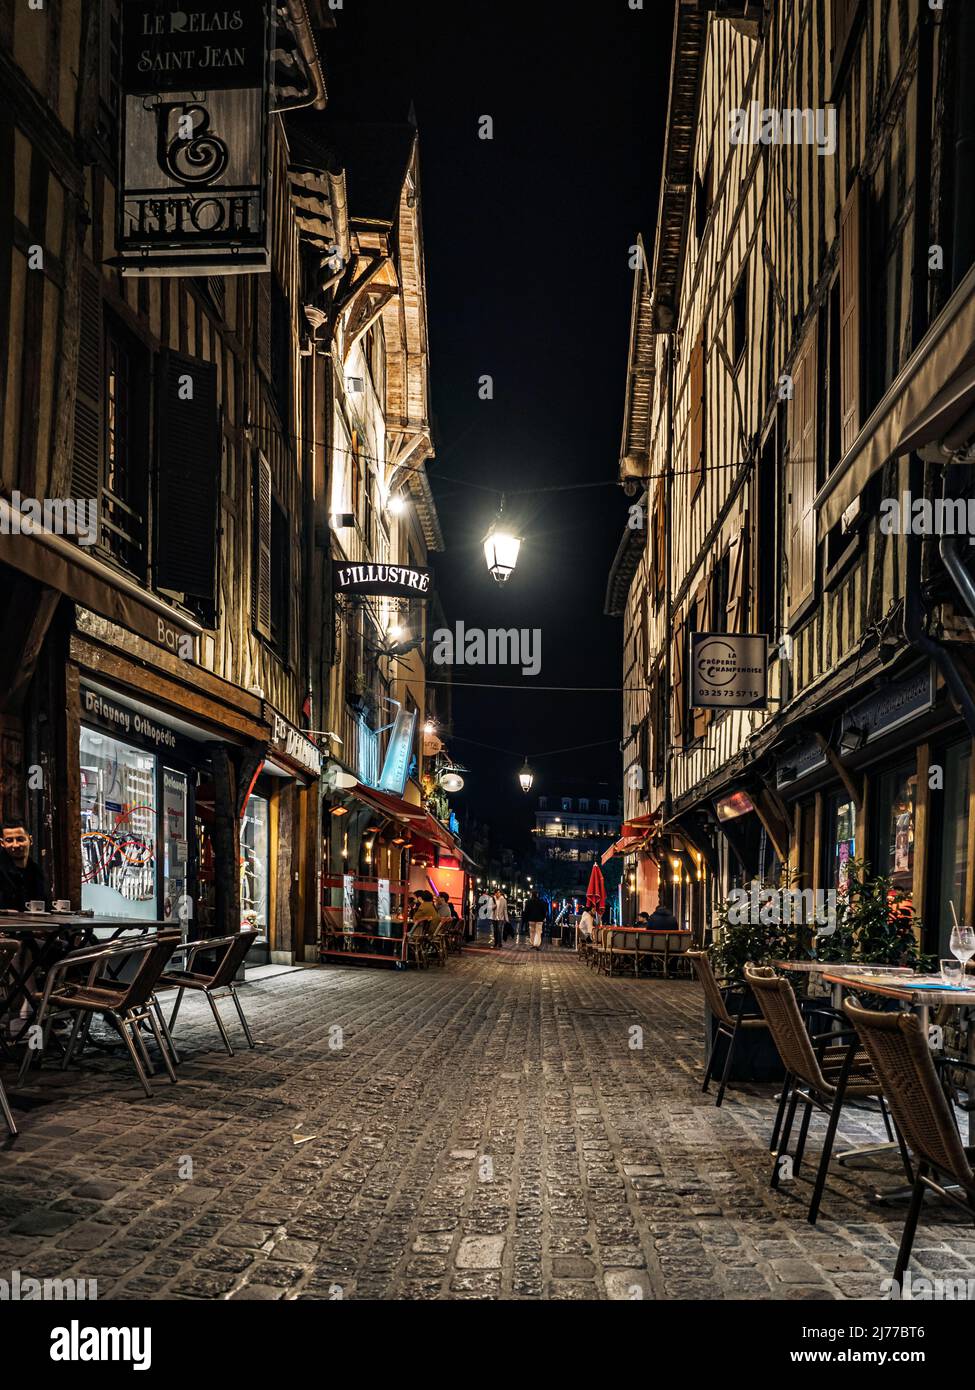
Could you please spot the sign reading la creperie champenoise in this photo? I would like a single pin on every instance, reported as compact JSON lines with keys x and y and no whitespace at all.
{"x":193,"y":143}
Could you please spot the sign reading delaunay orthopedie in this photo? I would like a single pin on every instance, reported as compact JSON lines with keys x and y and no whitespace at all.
{"x":728,"y":670}
{"x":193,"y":140}
{"x":394,"y":581}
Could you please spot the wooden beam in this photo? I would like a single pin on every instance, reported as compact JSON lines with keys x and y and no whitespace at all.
{"x":226,"y":841}
{"x":776,"y":829}
{"x":29,"y":611}
{"x":852,"y":781}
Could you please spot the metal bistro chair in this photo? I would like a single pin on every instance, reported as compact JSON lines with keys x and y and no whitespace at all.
{"x":126,"y":1004}
{"x":823,"y":1072}
{"x":729,"y":1023}
{"x":8,"y":950}
{"x":212,"y":980}
{"x":902,"y":1059}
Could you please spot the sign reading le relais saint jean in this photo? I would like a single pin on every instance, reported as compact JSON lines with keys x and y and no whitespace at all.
{"x":394,"y":581}
{"x":729,"y":670}
{"x":194,"y":99}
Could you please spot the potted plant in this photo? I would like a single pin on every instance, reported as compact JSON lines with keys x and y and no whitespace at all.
{"x":752,"y":928}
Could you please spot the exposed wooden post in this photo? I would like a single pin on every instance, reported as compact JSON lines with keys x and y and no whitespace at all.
{"x":226,"y":841}
{"x":852,"y":781}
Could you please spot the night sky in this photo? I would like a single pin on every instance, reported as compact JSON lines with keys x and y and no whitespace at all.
{"x":527,"y":242}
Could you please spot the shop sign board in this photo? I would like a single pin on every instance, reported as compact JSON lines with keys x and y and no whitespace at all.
{"x":808,"y":757}
{"x":892,"y":705}
{"x":391,"y":581}
{"x":729,"y":670}
{"x":399,"y":751}
{"x":194,"y":103}
{"x":126,"y":722}
{"x":292,"y":744}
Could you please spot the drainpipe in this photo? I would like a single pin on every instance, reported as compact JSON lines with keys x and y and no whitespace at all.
{"x":309,"y":51}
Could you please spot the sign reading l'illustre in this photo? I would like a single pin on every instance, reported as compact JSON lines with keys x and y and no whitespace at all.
{"x":728,"y":670}
{"x":194,"y":96}
{"x":395,"y":581}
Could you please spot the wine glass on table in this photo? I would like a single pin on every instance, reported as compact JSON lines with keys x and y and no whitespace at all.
{"x":962,"y":943}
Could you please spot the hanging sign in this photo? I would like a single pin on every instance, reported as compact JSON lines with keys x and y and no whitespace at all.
{"x":728,"y":670}
{"x":194,"y":98}
{"x":399,"y":750}
{"x":394,"y":581}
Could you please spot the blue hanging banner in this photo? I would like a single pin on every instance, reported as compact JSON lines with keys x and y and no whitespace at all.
{"x":398,"y":753}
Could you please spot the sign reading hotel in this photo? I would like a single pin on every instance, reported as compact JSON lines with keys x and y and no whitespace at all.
{"x":728,"y":671}
{"x":394,"y":581}
{"x":194,"y":98}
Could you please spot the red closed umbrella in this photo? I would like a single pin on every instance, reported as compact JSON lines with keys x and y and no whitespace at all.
{"x":596,"y":892}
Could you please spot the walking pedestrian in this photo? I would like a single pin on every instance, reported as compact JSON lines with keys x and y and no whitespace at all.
{"x":485,"y":908}
{"x":502,"y":927}
{"x":536,"y":912}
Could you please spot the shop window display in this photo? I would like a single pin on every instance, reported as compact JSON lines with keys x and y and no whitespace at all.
{"x":254,"y":864}
{"x":118,"y":828}
{"x":896,"y":798}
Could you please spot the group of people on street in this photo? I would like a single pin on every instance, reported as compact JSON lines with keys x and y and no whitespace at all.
{"x":493,"y":907}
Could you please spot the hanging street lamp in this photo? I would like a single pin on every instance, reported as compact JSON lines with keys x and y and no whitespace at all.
{"x":526,"y":777}
{"x":501,"y":547}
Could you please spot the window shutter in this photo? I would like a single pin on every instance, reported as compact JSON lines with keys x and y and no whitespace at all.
{"x":262,"y":546}
{"x":680,"y":691}
{"x":851,"y":368}
{"x":659,"y":543}
{"x":263,"y":326}
{"x":86,"y":449}
{"x":187,"y":515}
{"x":657,"y":723}
{"x":702,"y":717}
{"x":802,"y":474}
{"x":736,"y":613}
{"x":697,"y":415}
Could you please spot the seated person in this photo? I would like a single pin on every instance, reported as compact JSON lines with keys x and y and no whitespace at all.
{"x":661,"y":919}
{"x":425,"y":917}
{"x":21,"y":877}
{"x":642,"y":919}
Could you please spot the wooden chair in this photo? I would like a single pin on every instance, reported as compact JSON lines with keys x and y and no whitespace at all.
{"x":822,"y":1072}
{"x":126,"y":1004}
{"x":902,"y":1060}
{"x":213,"y":980}
{"x":730,"y":1021}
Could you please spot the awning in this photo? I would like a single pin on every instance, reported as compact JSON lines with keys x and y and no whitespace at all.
{"x":626,"y":844}
{"x":80,"y":575}
{"x":389,"y":804}
{"x":931,"y":396}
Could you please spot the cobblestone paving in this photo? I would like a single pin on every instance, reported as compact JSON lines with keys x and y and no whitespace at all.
{"x":482,"y":1131}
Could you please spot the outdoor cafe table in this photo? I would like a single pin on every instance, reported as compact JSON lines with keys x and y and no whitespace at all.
{"x":821,"y":967}
{"x":44,"y":936}
{"x":919,"y":993}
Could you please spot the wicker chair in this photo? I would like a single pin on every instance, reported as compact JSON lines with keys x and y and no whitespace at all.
{"x":902,"y":1059}
{"x":823,"y":1072}
{"x":728,"y":1022}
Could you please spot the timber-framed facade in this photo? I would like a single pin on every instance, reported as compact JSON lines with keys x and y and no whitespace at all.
{"x":811,"y":302}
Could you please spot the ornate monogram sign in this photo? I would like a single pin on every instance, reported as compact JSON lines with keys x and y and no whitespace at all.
{"x":193,"y":153}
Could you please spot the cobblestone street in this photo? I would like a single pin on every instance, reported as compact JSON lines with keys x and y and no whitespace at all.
{"x":482,"y":1131}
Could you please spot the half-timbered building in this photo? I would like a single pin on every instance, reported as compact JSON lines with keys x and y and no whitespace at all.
{"x":808,"y":364}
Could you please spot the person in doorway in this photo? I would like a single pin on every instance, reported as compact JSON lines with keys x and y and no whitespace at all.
{"x":21,"y":877}
{"x":502,"y":927}
{"x":536,"y":913}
